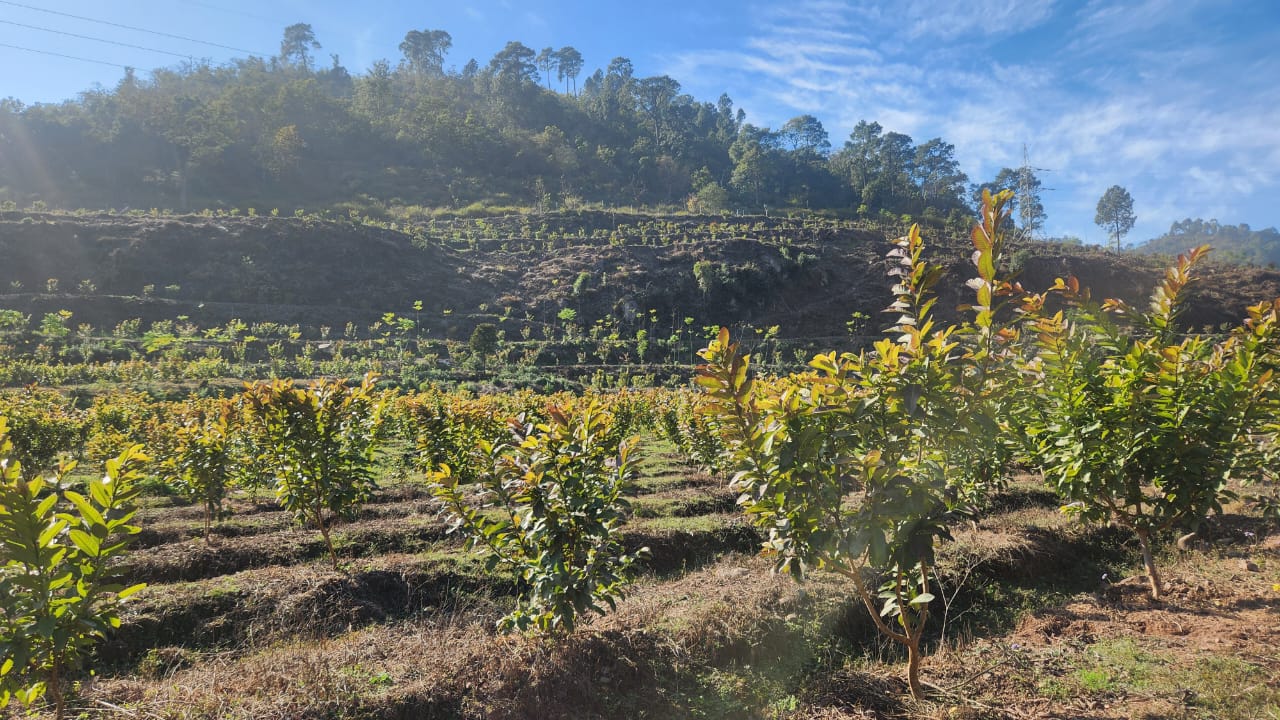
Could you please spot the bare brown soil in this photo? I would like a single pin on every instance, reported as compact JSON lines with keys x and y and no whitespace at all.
{"x":329,"y":273}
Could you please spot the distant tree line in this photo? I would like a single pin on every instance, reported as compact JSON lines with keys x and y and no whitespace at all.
{"x":292,"y":131}
{"x":1238,"y":243}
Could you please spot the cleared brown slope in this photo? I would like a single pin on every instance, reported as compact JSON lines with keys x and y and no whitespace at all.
{"x":763,"y":272}
{"x":254,"y":268}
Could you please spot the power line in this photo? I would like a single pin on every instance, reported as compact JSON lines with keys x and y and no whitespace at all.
{"x":94,"y":39}
{"x":1026,"y":191}
{"x":69,"y":57}
{"x":131,"y":27}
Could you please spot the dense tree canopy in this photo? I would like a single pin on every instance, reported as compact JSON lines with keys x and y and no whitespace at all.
{"x":299,"y":40}
{"x":1240,"y":243}
{"x":568,"y":66}
{"x":290,"y":132}
{"x":424,"y":50}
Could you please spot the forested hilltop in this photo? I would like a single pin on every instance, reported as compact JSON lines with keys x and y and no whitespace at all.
{"x":1233,"y":243}
{"x":525,"y":128}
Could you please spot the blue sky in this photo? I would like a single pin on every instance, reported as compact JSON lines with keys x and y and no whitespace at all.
{"x":1176,"y":100}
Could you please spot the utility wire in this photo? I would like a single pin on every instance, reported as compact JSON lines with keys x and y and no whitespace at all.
{"x":94,"y":39}
{"x":131,"y":27}
{"x":69,"y":57}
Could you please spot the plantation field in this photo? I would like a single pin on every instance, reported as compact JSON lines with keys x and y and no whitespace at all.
{"x":1044,"y":618}
{"x":1053,"y":508}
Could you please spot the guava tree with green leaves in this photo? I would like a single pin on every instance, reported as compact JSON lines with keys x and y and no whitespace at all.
{"x":43,"y":425}
{"x":319,"y":442}
{"x":549,"y":510}
{"x":59,"y":592}
{"x":859,"y":465}
{"x":205,"y":462}
{"x":991,"y":437}
{"x":1142,"y":424}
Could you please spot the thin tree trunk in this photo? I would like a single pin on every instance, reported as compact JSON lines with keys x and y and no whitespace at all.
{"x":1153,"y":575}
{"x":914,"y":656}
{"x":182,"y":184}
{"x":915,"y":635}
{"x":55,"y":689}
{"x":328,"y":542}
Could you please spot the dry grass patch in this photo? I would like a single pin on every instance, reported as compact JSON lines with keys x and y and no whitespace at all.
{"x":195,"y":559}
{"x":647,"y":659}
{"x":247,"y":610}
{"x":1207,"y":651}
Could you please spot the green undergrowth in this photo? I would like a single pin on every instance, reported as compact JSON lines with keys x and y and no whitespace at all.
{"x":1214,"y":686}
{"x":683,"y":505}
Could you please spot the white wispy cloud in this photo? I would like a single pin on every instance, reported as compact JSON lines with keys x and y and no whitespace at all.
{"x":980,"y":18}
{"x":1102,"y":23}
{"x":1186,"y":123}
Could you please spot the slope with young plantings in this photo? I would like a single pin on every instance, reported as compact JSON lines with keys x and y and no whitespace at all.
{"x":806,"y":275}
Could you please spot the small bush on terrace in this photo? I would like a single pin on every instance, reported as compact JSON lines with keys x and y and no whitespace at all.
{"x":549,"y":509}
{"x":319,"y":441}
{"x":1144,"y":425}
{"x":860,"y":464}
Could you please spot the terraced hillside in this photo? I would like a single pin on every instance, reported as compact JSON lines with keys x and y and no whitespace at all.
{"x":806,"y":275}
